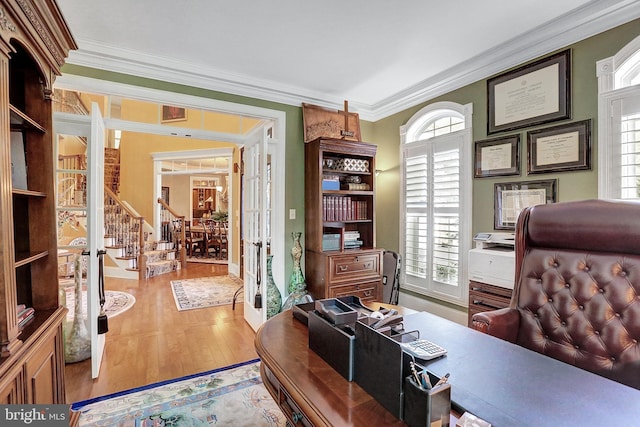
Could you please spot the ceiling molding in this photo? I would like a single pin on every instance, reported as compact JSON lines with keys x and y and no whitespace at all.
{"x":589,"y":20}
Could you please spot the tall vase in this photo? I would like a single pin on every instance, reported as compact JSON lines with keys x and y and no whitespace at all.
{"x":296,"y":281}
{"x":274,"y":299}
{"x":297,"y":286}
{"x":78,"y":340}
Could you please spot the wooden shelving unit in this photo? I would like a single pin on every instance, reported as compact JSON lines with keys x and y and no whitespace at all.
{"x":341,"y":257}
{"x":35,"y":43}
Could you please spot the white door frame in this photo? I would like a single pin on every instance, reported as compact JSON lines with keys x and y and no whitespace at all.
{"x":277,"y":144}
{"x":158,"y":158}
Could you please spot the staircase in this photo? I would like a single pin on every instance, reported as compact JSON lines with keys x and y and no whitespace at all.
{"x":134,"y":254}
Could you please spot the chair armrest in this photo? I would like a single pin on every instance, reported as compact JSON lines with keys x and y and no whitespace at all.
{"x":503,"y":323}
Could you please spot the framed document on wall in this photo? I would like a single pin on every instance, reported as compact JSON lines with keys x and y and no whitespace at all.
{"x":510,"y":198}
{"x":537,"y":93}
{"x":497,"y":157}
{"x":560,"y":148}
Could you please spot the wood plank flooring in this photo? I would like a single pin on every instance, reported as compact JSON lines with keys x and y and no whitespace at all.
{"x":153,"y":341}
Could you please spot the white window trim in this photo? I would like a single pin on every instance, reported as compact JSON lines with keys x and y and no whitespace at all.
{"x":611,"y":73}
{"x":417,"y":121}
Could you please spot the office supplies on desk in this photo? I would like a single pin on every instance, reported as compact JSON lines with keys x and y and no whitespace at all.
{"x":423,"y":349}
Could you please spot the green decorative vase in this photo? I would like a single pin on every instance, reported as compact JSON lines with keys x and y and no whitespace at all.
{"x":274,"y":299}
{"x":296,"y":280}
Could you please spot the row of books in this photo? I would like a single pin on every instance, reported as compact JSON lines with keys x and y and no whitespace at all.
{"x":341,"y":208}
{"x":25,"y":314}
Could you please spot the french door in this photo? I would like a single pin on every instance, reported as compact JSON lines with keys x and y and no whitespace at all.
{"x":80,"y":205}
{"x":256,"y":217}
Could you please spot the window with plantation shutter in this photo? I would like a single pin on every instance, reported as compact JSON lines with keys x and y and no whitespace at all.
{"x":436,"y":202}
{"x":619,"y":124}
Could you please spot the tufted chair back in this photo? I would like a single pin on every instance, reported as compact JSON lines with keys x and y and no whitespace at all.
{"x":577,"y":290}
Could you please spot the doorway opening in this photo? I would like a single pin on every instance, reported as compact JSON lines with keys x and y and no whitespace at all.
{"x":178,"y":124}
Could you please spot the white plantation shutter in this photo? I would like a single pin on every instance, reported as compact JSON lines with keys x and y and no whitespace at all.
{"x":619,"y":124}
{"x":628,"y":116}
{"x":437,"y":189}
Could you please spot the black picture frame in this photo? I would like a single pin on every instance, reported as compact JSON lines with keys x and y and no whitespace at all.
{"x":534,"y":94}
{"x":510,"y":198}
{"x":497,"y":157}
{"x":559,"y":148}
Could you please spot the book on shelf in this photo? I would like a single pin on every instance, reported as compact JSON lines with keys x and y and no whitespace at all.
{"x":343,"y":208}
{"x":25,"y":315}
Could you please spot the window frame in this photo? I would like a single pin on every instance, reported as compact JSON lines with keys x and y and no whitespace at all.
{"x":463,"y":140}
{"x":614,"y":75}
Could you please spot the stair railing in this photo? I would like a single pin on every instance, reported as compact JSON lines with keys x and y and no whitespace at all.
{"x":172,"y":230}
{"x":125,"y":229}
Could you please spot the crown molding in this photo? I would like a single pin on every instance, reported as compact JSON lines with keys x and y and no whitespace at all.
{"x":593,"y":18}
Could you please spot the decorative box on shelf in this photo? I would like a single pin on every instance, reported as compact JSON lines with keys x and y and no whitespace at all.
{"x":330,"y":182}
{"x":352,"y":165}
{"x":331,"y":242}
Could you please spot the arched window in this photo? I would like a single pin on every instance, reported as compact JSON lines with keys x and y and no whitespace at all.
{"x":619,"y":124}
{"x":436,"y":201}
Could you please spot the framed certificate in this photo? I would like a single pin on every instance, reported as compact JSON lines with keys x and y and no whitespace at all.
{"x":537,"y":93}
{"x":560,"y":148}
{"x":510,"y":198}
{"x":497,"y":157}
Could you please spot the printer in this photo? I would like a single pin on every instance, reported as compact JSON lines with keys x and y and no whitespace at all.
{"x":492,"y":260}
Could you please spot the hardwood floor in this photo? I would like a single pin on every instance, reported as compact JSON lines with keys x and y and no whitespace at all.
{"x":153,"y":341}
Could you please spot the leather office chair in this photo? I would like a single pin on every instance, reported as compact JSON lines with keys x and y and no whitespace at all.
{"x":577,"y":291}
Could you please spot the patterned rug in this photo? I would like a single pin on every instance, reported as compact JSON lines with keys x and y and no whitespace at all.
{"x":230,"y":396}
{"x":116,"y":302}
{"x":205,"y":291}
{"x":207,"y":260}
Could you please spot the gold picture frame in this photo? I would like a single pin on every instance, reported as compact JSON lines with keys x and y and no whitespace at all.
{"x":172,"y":113}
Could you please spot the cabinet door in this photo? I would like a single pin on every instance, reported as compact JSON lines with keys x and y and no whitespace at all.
{"x":11,"y":387}
{"x":41,"y":374}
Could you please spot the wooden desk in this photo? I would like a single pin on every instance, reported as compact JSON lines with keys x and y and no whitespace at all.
{"x":305,"y":385}
{"x":505,"y":384}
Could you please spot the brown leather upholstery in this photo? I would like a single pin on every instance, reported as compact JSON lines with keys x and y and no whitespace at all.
{"x":576,"y":295}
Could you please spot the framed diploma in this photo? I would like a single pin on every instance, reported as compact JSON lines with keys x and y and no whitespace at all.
{"x":510,"y":198}
{"x":560,"y":148}
{"x":536,"y":93}
{"x":497,"y":157}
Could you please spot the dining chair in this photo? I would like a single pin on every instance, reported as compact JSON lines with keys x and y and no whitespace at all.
{"x":193,"y":242}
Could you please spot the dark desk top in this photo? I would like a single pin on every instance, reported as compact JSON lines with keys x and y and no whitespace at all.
{"x":509,"y":385}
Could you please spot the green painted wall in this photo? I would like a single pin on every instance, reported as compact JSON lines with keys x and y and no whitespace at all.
{"x":571,"y":185}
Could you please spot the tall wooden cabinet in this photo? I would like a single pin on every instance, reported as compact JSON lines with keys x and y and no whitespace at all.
{"x":35,"y":42}
{"x":341,"y":257}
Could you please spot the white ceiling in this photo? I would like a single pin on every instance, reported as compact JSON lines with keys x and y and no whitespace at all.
{"x":382,"y":56}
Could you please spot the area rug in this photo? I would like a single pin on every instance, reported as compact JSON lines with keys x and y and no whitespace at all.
{"x":116,"y":302}
{"x":230,"y":396}
{"x":207,"y":260}
{"x":204,"y":292}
